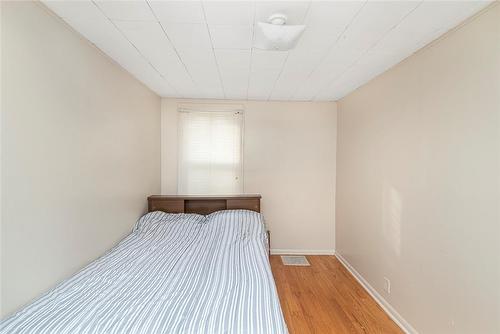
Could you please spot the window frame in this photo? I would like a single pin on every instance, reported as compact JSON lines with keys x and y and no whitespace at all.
{"x":207,"y":108}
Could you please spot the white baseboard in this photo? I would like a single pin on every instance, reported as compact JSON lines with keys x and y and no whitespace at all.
{"x":277,"y":251}
{"x":398,"y":319}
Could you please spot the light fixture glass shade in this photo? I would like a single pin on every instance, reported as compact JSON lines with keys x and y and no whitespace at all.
{"x":277,"y":37}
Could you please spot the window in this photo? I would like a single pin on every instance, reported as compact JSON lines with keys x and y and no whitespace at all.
{"x":210,"y":145}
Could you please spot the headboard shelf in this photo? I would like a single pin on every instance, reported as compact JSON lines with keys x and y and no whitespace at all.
{"x":203,"y":204}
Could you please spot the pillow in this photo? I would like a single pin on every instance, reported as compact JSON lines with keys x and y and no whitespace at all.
{"x":155,"y":219}
{"x":241,"y":217}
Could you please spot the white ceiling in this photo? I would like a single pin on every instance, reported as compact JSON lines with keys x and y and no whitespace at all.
{"x":203,"y":49}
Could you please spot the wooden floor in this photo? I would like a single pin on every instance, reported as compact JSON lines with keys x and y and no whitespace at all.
{"x":326,"y":298}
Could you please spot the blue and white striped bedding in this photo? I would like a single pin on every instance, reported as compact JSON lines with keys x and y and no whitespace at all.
{"x":175,"y":273}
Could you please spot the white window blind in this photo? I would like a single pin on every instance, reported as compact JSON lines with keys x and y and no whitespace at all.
{"x":210,"y":151}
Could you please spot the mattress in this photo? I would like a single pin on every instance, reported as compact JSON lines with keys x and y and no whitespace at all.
{"x":175,"y":273}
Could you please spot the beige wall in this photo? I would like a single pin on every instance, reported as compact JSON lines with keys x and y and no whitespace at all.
{"x":81,"y":150}
{"x":418,"y":182}
{"x":289,"y":158}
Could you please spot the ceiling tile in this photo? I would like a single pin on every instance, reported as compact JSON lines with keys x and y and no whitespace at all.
{"x":157,"y":84}
{"x":107,"y":38}
{"x":368,"y":67}
{"x":288,"y":82}
{"x":371,"y":65}
{"x":74,"y":9}
{"x":210,"y":93}
{"x":193,"y":57}
{"x":373,"y":21}
{"x":150,"y":40}
{"x":178,"y":11}
{"x":305,"y":93}
{"x":126,"y":10}
{"x":188,"y":36}
{"x":303,"y":61}
{"x":268,"y":59}
{"x":262,"y":83}
{"x":341,"y":87}
{"x":235,"y":76}
{"x":435,"y":15}
{"x":182,"y":83}
{"x":239,"y":93}
{"x":294,"y":10}
{"x":310,"y":86}
{"x":202,"y":67}
{"x":339,"y":59}
{"x":227,"y":12}
{"x":231,"y":37}
{"x":203,"y":75}
{"x":317,"y":40}
{"x":334,"y":15}
{"x":235,"y":83}
{"x":331,"y":68}
{"x":233,"y":59}
{"x":203,"y":48}
{"x":426,"y":23}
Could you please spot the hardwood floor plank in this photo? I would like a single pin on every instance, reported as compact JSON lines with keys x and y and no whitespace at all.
{"x":326,"y":298}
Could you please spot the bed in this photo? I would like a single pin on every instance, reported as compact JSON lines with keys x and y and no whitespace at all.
{"x":176,"y":272}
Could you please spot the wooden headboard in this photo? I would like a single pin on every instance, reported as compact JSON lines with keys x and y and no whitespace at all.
{"x":202,"y":205}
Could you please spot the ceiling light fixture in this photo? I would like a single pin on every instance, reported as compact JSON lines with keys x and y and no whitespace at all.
{"x":277,"y":35}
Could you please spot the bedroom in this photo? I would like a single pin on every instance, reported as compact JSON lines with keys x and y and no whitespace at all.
{"x":364,"y":137}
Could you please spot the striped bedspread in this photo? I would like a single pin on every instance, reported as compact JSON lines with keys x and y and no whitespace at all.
{"x":175,"y":273}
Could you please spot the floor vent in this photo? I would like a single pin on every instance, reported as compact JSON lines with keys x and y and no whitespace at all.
{"x":289,"y":260}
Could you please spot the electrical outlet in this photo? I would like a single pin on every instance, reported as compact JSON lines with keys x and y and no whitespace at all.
{"x":387,"y":285}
